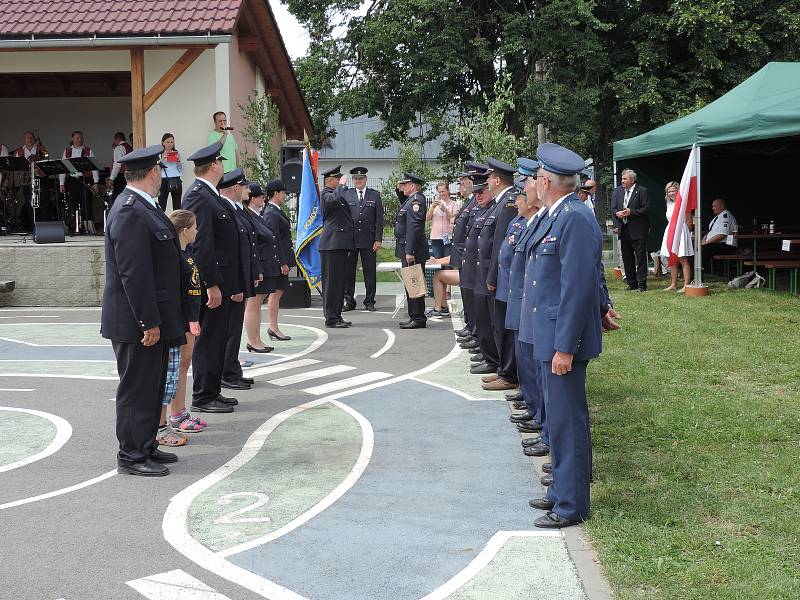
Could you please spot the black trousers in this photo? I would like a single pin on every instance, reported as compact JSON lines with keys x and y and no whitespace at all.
{"x":715,"y":249}
{"x":232,"y":368}
{"x":416,"y":306}
{"x":504,"y":340}
{"x":334,"y":274}
{"x":484,"y":314}
{"x":468,"y":298}
{"x":634,"y":259}
{"x":208,"y":359}
{"x":177,"y":191}
{"x":142,"y":375}
{"x":368,"y":266}
{"x":78,"y":198}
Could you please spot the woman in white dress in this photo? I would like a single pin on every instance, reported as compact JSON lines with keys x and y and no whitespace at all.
{"x":685,"y":249}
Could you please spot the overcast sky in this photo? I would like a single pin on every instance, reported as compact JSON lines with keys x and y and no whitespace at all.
{"x":293,"y":34}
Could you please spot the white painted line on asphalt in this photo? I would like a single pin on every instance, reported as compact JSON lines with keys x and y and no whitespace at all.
{"x":51,"y":308}
{"x":389,"y":343}
{"x":50,"y":360}
{"x":63,"y":433}
{"x":32,"y":317}
{"x":457,"y":392}
{"x":277,"y":368}
{"x":308,"y":375}
{"x":24,"y":343}
{"x":17,"y":390}
{"x":305,"y":317}
{"x":57,"y":376}
{"x":174,"y":585}
{"x":322,"y":337}
{"x":341,"y":384}
{"x":61,"y":492}
{"x":483,"y":559}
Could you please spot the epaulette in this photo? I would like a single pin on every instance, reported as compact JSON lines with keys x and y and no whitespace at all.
{"x":129,"y":200}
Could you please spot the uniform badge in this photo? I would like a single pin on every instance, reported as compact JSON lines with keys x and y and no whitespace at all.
{"x":415,"y":207}
{"x":512,"y":239}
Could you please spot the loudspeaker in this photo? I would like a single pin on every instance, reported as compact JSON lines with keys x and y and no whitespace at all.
{"x":292,"y":175}
{"x":297,"y":294}
{"x":292,"y":152}
{"x":49,"y":232}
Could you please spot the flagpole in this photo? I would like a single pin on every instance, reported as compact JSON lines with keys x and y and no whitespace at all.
{"x":698,"y":256}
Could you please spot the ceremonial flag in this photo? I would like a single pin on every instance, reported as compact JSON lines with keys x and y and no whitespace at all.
{"x":309,"y":223}
{"x":685,"y":203}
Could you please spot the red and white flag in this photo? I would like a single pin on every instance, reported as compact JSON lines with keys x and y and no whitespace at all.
{"x":685,"y":203}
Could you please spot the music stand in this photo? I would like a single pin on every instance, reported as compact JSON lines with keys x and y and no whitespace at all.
{"x":83,"y":164}
{"x":11,"y":164}
{"x":50,"y":168}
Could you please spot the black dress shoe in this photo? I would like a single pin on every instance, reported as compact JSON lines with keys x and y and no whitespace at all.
{"x":529,"y":427}
{"x":641,"y":289}
{"x":263,"y":350}
{"x":348,"y":307}
{"x":546,"y":479}
{"x":473,"y":343}
{"x":413,"y":325}
{"x":247,"y":380}
{"x":523,"y":418}
{"x":337,"y":325}
{"x":370,"y":307}
{"x":215,"y":406}
{"x":235,"y":385}
{"x":161,"y":457}
{"x":477,"y":358}
{"x":145,"y":469}
{"x":514,"y":396}
{"x":482,"y":369}
{"x":464,"y":331}
{"x":537,"y":450}
{"x":519,"y":405}
{"x":475,"y":351}
{"x":228,"y":401}
{"x":541,"y":503}
{"x":547,"y":467}
{"x":552,"y":521}
{"x":531,"y":441}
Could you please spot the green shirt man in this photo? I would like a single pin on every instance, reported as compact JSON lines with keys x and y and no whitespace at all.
{"x":230,"y":150}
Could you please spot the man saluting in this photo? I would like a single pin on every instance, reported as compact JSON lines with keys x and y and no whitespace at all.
{"x":142,"y":313}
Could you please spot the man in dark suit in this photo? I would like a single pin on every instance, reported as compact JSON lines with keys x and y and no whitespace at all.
{"x":217,"y":256}
{"x":411,"y":246}
{"x":630,"y":204}
{"x":234,"y":188}
{"x":367,"y":210}
{"x":335,"y":245}
{"x":142,"y":314}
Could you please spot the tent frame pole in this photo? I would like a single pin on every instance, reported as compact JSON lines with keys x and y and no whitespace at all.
{"x":698,"y":252}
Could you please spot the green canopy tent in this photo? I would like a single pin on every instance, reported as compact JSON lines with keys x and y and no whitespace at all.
{"x":750,"y":151}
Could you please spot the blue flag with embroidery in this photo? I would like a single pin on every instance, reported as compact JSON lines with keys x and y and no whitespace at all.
{"x":309,"y":225}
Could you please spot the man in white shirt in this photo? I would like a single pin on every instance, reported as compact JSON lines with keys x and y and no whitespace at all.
{"x":78,"y":188}
{"x":116,"y":180}
{"x":720,"y":238}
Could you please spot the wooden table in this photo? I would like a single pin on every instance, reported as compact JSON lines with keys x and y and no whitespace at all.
{"x":755,"y":236}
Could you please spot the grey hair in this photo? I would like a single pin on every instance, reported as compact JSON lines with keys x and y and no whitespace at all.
{"x":630,"y":172}
{"x":564,"y":182}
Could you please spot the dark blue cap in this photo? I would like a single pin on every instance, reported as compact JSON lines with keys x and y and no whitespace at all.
{"x":474,"y":168}
{"x":334,"y":172}
{"x":527,"y":166}
{"x":558,"y":160}
{"x":232,"y":178}
{"x":409,"y":177}
{"x":478,"y":182}
{"x":206,"y":155}
{"x":500,"y":167}
{"x":143,"y":158}
{"x":359,"y":171}
{"x":275,"y":185}
{"x":255,"y":189}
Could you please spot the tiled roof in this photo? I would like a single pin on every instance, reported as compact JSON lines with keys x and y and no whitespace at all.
{"x":117,"y":17}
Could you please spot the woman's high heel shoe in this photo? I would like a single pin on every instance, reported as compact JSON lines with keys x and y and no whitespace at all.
{"x":263,"y":350}
{"x":275,"y":336}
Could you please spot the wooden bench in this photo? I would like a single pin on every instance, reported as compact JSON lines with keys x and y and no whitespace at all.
{"x":773,"y":266}
{"x":747,"y":259}
{"x":7,"y":286}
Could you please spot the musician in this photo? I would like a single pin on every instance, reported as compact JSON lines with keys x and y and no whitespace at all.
{"x":31,"y":150}
{"x":3,"y":150}
{"x":77,"y":188}
{"x":117,"y":176}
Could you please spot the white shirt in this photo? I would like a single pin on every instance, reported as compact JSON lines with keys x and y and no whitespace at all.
{"x":724,"y":224}
{"x":210,"y":185}
{"x":536,"y":214}
{"x":77,"y":152}
{"x":119,"y":152}
{"x":146,"y":196}
{"x":27,"y":152}
{"x":556,"y":203}
{"x":589,"y":203}
{"x":628,"y":194}
{"x":3,"y":150}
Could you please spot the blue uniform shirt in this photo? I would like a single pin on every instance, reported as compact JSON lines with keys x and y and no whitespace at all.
{"x":505,"y":256}
{"x":516,"y":276}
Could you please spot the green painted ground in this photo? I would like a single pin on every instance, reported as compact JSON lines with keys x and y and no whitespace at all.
{"x":56,"y":367}
{"x":300,"y":463}
{"x":525,"y":568}
{"x":22,"y":435}
{"x":54,"y":333}
{"x":455,"y":374}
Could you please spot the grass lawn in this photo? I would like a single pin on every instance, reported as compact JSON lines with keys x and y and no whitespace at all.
{"x":696,"y":427}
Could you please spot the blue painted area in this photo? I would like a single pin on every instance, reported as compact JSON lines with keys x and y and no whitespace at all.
{"x":445,"y":475}
{"x":16,"y":351}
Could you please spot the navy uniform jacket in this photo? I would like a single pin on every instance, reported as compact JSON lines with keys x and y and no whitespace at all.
{"x":216,"y":249}
{"x":367,"y":216}
{"x":562,"y":303}
{"x":338,"y":232}
{"x":493,"y":233}
{"x":505,"y":256}
{"x":266,"y":248}
{"x":516,"y":275}
{"x":248,"y":252}
{"x":409,"y":229}
{"x":484,"y":228}
{"x":278,"y":222}
{"x":469,"y":264}
{"x":143,"y":272}
{"x":460,"y":230}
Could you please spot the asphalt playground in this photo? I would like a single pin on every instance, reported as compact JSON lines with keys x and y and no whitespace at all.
{"x":365,"y":463}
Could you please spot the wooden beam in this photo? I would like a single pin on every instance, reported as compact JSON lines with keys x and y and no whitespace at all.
{"x":273,"y":92}
{"x":137,"y":97}
{"x":248,"y":43}
{"x":168,"y":78}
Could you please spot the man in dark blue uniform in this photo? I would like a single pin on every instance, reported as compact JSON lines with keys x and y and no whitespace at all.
{"x":563,"y":283}
{"x":367,"y":210}
{"x":217,"y":256}
{"x":501,"y":187}
{"x":142,"y":313}
{"x":234,"y":188}
{"x":335,"y":245}
{"x":411,"y":246}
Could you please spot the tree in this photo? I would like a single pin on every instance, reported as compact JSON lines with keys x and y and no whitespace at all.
{"x":409,"y":158}
{"x":262,"y":128}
